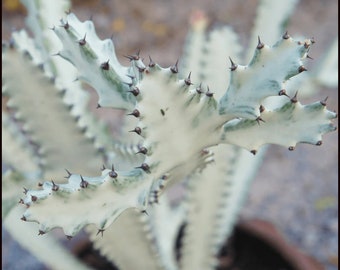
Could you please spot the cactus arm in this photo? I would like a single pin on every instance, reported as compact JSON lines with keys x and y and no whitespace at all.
{"x":164,"y":221}
{"x":219,"y":193}
{"x":193,"y":47}
{"x":90,"y":200}
{"x":41,"y":16}
{"x":264,"y":76}
{"x":24,"y":161}
{"x":286,"y":126}
{"x":169,"y":110}
{"x":221,"y":44}
{"x":206,"y":53}
{"x":324,"y":74}
{"x":45,"y":110}
{"x":270,"y":22}
{"x":63,"y":72}
{"x":46,"y":249}
{"x":96,"y":62}
{"x":127,"y":233}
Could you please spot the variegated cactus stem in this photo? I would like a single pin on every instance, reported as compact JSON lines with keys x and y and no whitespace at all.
{"x":176,"y":121}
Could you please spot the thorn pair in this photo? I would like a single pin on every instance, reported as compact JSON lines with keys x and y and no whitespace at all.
{"x":134,"y":57}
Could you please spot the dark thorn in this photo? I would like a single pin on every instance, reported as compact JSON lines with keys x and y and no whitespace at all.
{"x":103,"y":168}
{"x":162,"y":112}
{"x":258,"y":119}
{"x":164,"y":177}
{"x":105,"y":65}
{"x":98,"y":106}
{"x":100,"y":231}
{"x":41,"y":232}
{"x":34,"y":198}
{"x":66,"y":26}
{"x":262,"y":109}
{"x":142,"y":150}
{"x":134,"y":91}
{"x":312,"y":40}
{"x":306,"y":45}
{"x":302,"y":69}
{"x":25,"y":190}
{"x":82,"y":42}
{"x":309,"y":57}
{"x":285,"y":35}
{"x":318,"y":143}
{"x":21,"y":201}
{"x":141,"y":70}
{"x":69,"y":237}
{"x":23,"y":218}
{"x":161,"y":186}
{"x":174,"y":69}
{"x":233,"y":65}
{"x":260,"y":45}
{"x":69,"y":174}
{"x":199,"y":89}
{"x":291,"y":148}
{"x":253,"y":152}
{"x":40,"y":184}
{"x":294,"y":99}
{"x":138,"y":130}
{"x":188,"y":80}
{"x":283,"y":93}
{"x":208,"y":93}
{"x":323,"y":102}
{"x":151,"y":63}
{"x":145,"y":212}
{"x":113,"y":174}
{"x":145,"y":167}
{"x":135,"y":113}
{"x":83,"y":183}
{"x":55,"y":187}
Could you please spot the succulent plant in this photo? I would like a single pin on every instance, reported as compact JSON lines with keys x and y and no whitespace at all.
{"x":193,"y":123}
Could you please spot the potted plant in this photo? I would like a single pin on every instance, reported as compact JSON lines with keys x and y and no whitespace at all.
{"x":185,"y":124}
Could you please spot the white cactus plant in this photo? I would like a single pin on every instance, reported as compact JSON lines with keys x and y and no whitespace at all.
{"x":194,"y":122}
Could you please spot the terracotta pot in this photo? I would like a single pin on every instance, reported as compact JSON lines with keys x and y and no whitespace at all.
{"x":258,"y":245}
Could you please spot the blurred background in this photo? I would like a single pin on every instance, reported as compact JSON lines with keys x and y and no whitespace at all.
{"x":295,"y":190}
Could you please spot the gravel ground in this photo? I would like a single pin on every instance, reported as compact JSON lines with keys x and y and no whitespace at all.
{"x":297,"y":191}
